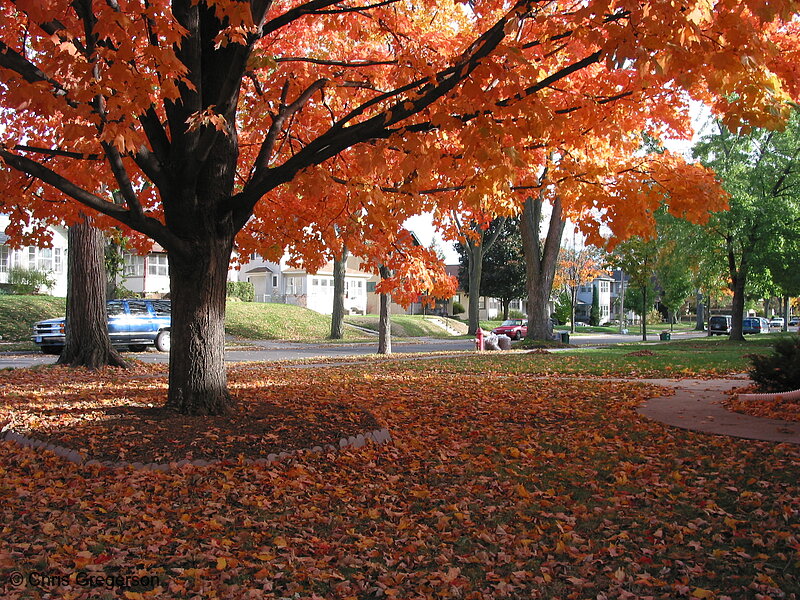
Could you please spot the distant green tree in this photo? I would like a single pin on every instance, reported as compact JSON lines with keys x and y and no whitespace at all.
{"x":760,"y":169}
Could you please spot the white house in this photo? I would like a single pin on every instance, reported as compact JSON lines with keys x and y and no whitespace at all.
{"x":584,"y":303}
{"x":51,"y":260}
{"x":278,"y":282}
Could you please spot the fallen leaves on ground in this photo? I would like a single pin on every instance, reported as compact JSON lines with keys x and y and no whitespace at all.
{"x":495,"y":487}
{"x":778,"y":407}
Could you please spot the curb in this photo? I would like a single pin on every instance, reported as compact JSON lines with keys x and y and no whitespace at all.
{"x":793,"y":395}
{"x":377,"y":436}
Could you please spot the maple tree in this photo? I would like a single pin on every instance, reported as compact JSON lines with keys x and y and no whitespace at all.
{"x":266,"y":125}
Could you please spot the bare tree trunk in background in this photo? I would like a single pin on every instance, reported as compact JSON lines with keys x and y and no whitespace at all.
{"x":87,"y":343}
{"x":337,"y":316}
{"x":385,"y":322}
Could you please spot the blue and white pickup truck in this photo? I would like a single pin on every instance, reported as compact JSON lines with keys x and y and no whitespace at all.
{"x":133,"y":323}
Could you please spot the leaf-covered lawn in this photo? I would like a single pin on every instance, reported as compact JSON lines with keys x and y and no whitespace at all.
{"x":496,"y":486}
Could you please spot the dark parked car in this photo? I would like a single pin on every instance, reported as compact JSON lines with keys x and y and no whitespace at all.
{"x":755,"y":325}
{"x":133,"y":323}
{"x":719,"y":325}
{"x":516,"y":329}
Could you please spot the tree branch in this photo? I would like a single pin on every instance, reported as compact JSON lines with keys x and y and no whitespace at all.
{"x":147,"y":225}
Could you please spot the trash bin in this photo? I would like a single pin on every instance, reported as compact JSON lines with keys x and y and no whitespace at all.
{"x":664,"y":336}
{"x":565,"y":337}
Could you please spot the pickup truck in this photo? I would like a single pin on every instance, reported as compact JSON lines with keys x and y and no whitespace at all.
{"x":132,"y":323}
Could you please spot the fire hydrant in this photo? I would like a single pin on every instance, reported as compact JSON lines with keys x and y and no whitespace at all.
{"x":479,"y":340}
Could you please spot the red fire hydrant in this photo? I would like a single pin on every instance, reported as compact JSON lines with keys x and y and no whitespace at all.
{"x":479,"y":340}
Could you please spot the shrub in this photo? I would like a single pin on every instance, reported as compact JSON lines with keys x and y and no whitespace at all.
{"x":779,"y":371}
{"x":515,"y":314}
{"x":29,"y":281}
{"x":458,"y":308}
{"x":243,"y":290}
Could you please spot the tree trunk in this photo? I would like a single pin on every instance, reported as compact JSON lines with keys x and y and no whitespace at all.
{"x":540,"y":264}
{"x":197,"y":374}
{"x":622,"y":302}
{"x":506,"y":308}
{"x":573,"y":298}
{"x":644,"y":313}
{"x":475,"y":257}
{"x":87,"y":343}
{"x":700,"y":319}
{"x":785,"y":313}
{"x":737,"y":285}
{"x":337,"y":315}
{"x":384,"y":322}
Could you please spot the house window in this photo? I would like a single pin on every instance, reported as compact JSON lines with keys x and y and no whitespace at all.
{"x":45,"y":260}
{"x":31,"y":257}
{"x":293,"y":286}
{"x":58,"y":264}
{"x":4,"y":259}
{"x":157,"y":264}
{"x":315,"y":282}
{"x":604,"y":311}
{"x":134,"y":265}
{"x":371,"y":287}
{"x":604,"y":287}
{"x":274,"y":281}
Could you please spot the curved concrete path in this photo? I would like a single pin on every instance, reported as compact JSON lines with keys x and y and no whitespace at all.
{"x":697,"y":406}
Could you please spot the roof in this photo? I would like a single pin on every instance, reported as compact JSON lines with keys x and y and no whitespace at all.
{"x":259,"y":270}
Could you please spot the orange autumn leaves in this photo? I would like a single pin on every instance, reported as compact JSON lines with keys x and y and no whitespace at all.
{"x":496,"y":486}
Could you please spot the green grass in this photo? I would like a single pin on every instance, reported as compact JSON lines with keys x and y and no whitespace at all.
{"x":403,"y":326}
{"x":264,"y":321}
{"x":19,"y":313}
{"x":701,"y":356}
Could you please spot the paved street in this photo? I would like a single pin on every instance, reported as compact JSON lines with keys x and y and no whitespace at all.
{"x":274,"y":351}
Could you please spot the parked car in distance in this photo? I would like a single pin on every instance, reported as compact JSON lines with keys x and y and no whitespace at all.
{"x":755,"y":325}
{"x":776,"y":323}
{"x":516,"y":329}
{"x":794,"y":321}
{"x":133,"y":323}
{"x":719,"y":325}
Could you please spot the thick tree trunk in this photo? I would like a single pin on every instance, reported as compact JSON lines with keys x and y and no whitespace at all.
{"x":506,"y":308}
{"x":384,"y":319}
{"x":337,"y":315}
{"x":540,"y":264}
{"x":197,"y":374}
{"x":87,"y":343}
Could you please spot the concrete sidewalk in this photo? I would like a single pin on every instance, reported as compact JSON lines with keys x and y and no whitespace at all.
{"x":697,"y":406}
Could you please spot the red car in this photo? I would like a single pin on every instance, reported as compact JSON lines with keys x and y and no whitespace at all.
{"x":516,"y":329}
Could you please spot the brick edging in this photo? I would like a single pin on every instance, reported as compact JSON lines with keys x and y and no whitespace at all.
{"x":376,"y":436}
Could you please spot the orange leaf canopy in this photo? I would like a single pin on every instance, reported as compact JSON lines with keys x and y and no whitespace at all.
{"x":344,"y":118}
